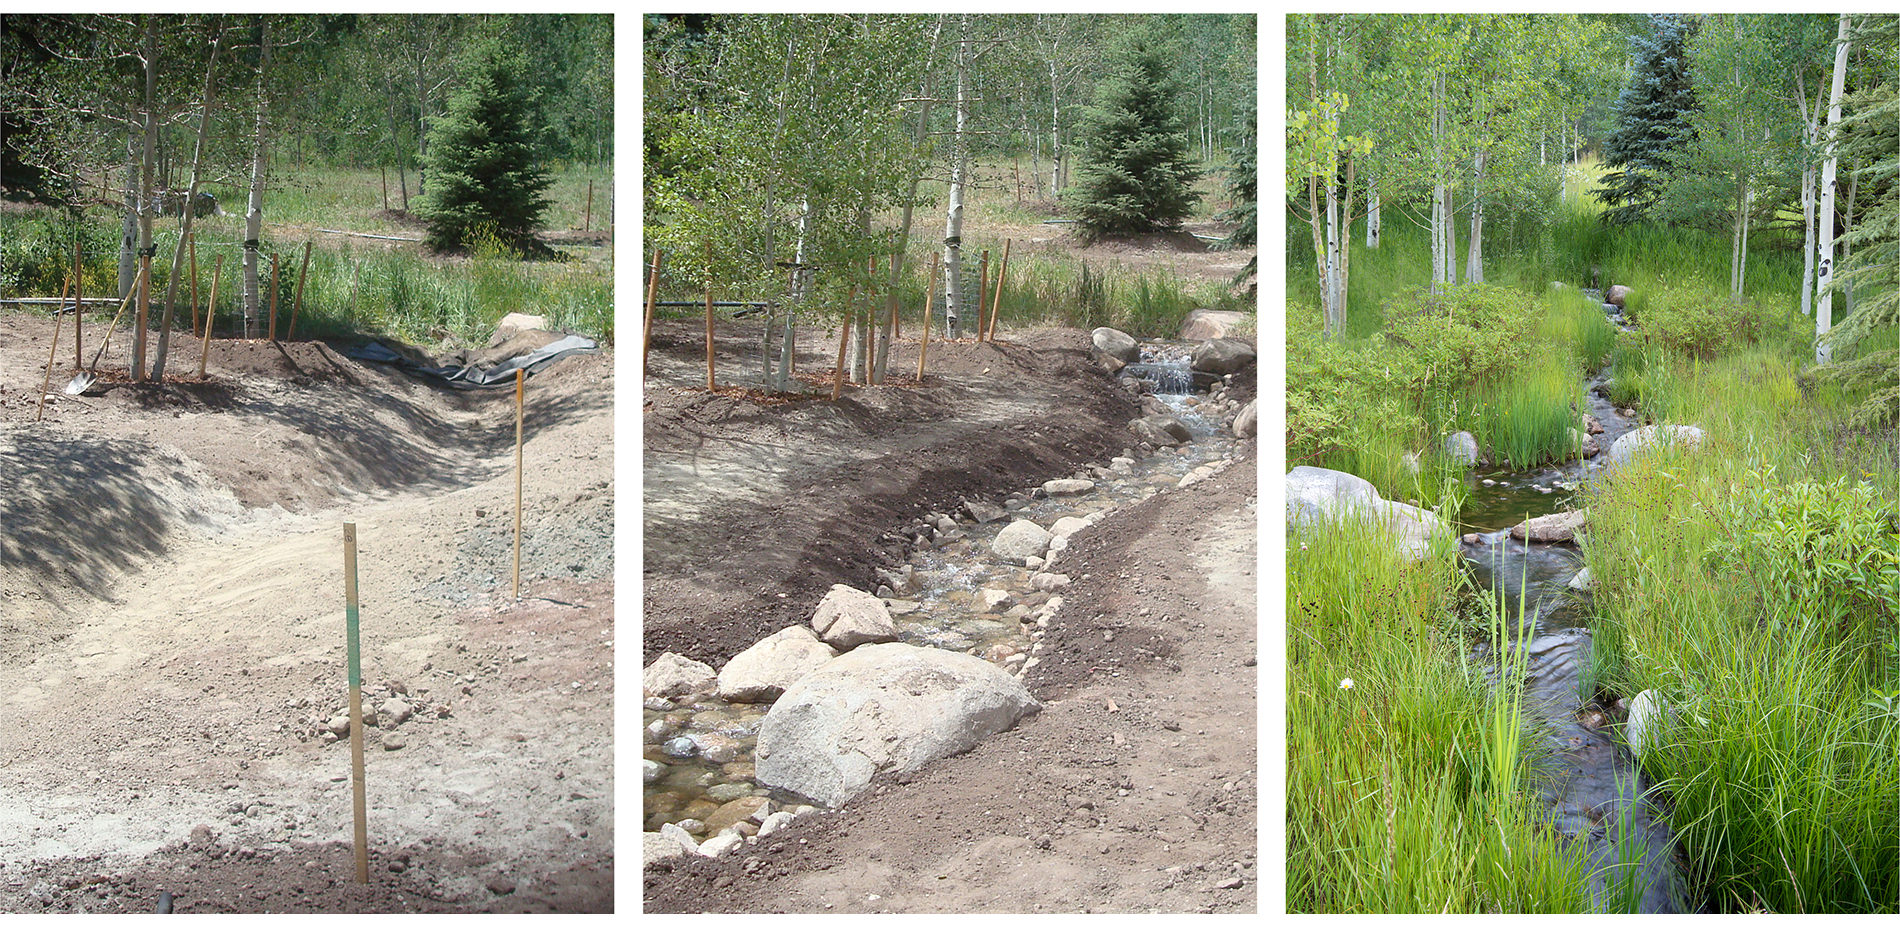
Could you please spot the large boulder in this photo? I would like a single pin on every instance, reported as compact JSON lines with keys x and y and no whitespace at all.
{"x":1116,"y":344}
{"x":1021,"y":538}
{"x":848,"y":617}
{"x":1222,"y":356}
{"x":1555,"y":528}
{"x":1316,"y":497}
{"x":1247,"y":423}
{"x":1642,"y":439}
{"x":1209,"y":324}
{"x":1617,"y":296}
{"x":1462,"y":448}
{"x":672,"y":675}
{"x":884,"y":707}
{"x":762,"y":671}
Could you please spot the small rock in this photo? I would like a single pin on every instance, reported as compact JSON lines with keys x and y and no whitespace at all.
{"x":680,"y":747}
{"x":396,"y":711}
{"x":1068,"y":487}
{"x":338,"y":725}
{"x":393,"y":741}
{"x":725,"y":843}
{"x":651,"y":770}
{"x":500,"y":884}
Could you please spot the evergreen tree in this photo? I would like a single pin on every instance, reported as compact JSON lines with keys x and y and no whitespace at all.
{"x":1134,"y":174}
{"x":1653,"y":120}
{"x":483,"y":162}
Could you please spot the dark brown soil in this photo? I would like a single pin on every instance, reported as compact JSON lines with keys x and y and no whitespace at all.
{"x":840,"y":480}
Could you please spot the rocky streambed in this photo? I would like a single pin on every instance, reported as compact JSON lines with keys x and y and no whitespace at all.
{"x":734,"y":753}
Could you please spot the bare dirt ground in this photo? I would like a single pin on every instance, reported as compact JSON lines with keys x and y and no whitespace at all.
{"x":1133,"y":790}
{"x":172,"y":645}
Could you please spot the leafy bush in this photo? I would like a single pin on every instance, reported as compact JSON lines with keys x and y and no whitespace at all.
{"x":1701,"y":322}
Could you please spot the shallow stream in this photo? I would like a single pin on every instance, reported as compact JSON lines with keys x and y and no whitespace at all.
{"x":1594,"y":790}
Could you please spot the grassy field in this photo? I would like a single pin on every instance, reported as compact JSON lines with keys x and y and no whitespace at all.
{"x":356,"y":285}
{"x":1753,"y":583}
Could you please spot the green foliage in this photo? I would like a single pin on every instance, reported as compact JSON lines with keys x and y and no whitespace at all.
{"x":1700,"y":321}
{"x":484,"y":162}
{"x":1763,"y":607}
{"x":1652,"y":119}
{"x":1404,"y":792}
{"x":1134,"y":173}
{"x":1527,"y":419}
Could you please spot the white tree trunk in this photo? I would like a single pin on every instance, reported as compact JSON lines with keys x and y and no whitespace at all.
{"x":1474,"y":263}
{"x":1441,"y":255}
{"x":254,"y":211}
{"x":801,"y":286}
{"x":959,"y":173}
{"x":186,"y":214}
{"x":129,"y":229}
{"x":1372,"y":214}
{"x":147,"y":202}
{"x":1824,"y":276}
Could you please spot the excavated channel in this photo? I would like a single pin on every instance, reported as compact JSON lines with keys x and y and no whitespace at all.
{"x":705,"y":748}
{"x":1593,"y":789}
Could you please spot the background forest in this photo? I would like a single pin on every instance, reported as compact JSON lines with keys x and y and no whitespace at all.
{"x":318,"y":122}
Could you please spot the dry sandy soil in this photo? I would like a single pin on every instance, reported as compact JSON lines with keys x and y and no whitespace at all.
{"x":172,"y":641}
{"x":1133,"y":790}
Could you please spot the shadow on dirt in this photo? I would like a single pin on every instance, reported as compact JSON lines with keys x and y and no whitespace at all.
{"x":77,"y":510}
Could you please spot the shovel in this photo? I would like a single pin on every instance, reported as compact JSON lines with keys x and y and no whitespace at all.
{"x":83,"y":380}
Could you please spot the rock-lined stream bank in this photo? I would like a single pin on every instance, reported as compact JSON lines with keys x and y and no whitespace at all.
{"x":965,"y":589}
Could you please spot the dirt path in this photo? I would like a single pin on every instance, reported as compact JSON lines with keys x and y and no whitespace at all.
{"x":1133,"y":790}
{"x":171,"y":650}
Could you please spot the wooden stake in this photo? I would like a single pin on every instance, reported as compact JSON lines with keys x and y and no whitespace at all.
{"x":350,"y":623}
{"x":53,"y":352}
{"x":930,"y":298}
{"x":653,"y":291}
{"x":996,"y":300}
{"x":297,"y":303}
{"x":385,"y":188}
{"x":982,"y":290}
{"x":211,"y":315}
{"x":273,"y":298}
{"x":709,"y":317}
{"x":587,"y":218}
{"x":844,"y":341}
{"x":79,"y":305}
{"x":192,"y":241}
{"x":521,"y":376}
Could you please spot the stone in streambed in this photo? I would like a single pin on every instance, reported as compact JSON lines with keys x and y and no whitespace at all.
{"x":848,"y":618}
{"x":1067,"y":487}
{"x":672,"y":675}
{"x":1641,"y":440}
{"x":762,"y":671}
{"x":1555,"y":528}
{"x":1221,"y":356}
{"x":1020,"y":540}
{"x":883,"y":707}
{"x":1116,"y":344}
{"x":1462,"y":448}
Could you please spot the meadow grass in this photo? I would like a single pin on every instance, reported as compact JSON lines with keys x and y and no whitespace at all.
{"x":355,"y":286}
{"x":1408,"y":791}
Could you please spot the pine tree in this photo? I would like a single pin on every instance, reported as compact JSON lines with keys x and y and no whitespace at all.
{"x":1134,"y":174}
{"x":1652,"y":118}
{"x":483,"y":162}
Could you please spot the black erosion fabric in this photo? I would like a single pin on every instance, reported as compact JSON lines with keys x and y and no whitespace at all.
{"x":472,"y":377}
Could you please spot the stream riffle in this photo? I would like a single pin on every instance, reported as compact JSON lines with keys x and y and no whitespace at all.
{"x":704,"y":747}
{"x":1594,"y":791}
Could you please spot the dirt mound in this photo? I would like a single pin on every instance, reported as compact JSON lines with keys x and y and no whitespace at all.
{"x":171,"y":646}
{"x":752,"y":511}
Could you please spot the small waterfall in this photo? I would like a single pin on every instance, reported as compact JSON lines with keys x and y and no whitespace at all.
{"x":1166,"y":377}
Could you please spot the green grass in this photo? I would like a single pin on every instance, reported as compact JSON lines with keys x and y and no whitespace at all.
{"x":355,"y":285}
{"x":1409,"y":791}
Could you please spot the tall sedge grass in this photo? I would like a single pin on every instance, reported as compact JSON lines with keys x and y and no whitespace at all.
{"x":1729,"y":579}
{"x":1529,"y":419}
{"x":1400,"y":794}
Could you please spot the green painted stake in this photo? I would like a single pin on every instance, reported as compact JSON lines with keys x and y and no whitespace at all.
{"x":356,"y":701}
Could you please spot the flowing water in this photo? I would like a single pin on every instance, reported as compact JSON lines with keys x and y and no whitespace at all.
{"x":1595,"y":793}
{"x":705,"y":748}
